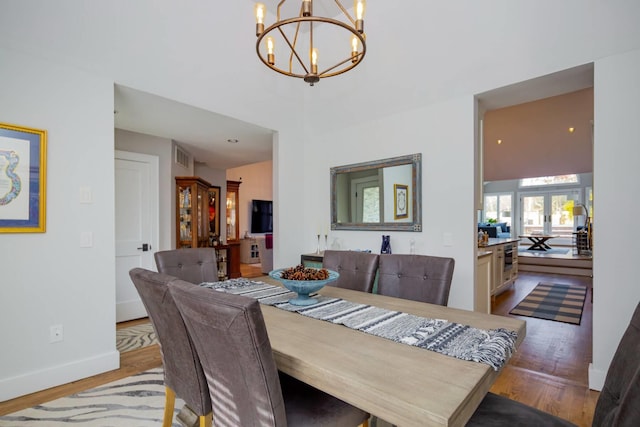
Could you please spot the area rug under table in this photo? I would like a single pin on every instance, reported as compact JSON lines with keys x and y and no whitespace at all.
{"x":554,"y":301}
{"x":135,"y":401}
{"x":135,"y":337}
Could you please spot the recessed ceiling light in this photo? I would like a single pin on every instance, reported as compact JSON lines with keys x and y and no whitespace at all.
{"x":499,"y":141}
{"x":571,"y":130}
{"x":232,"y":141}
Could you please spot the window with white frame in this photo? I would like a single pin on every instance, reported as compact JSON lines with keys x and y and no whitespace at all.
{"x":498,"y":207}
{"x":549,"y":180}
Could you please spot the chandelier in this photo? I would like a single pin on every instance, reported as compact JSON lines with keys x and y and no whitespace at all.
{"x":299,"y":46}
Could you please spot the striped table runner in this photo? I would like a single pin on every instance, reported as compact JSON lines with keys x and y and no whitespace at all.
{"x":492,"y":347}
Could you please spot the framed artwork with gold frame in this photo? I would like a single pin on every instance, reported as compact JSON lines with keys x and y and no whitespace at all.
{"x":23,"y":167}
{"x":400,"y":201}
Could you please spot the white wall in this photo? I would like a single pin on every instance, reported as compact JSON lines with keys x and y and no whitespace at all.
{"x":257,"y":183}
{"x":616,"y":290}
{"x":47,"y":278}
{"x":444,"y":134}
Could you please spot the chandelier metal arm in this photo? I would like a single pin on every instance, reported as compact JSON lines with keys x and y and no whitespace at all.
{"x":279,"y":6}
{"x":292,"y":47}
{"x":322,"y":74}
{"x":345,"y":12}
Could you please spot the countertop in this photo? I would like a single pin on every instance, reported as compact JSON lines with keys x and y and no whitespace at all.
{"x":500,"y":241}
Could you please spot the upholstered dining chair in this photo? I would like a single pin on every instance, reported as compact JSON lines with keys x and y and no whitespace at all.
{"x":416,"y":277}
{"x":231,"y":339}
{"x":618,"y":404}
{"x":195,"y":265}
{"x":183,"y":374}
{"x":357,"y":269}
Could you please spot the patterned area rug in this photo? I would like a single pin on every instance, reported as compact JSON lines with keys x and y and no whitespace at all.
{"x":137,"y":401}
{"x":552,"y":251}
{"x":553,"y":301}
{"x":135,"y":337}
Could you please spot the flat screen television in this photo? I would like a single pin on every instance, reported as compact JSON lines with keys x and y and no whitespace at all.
{"x":261,"y":216}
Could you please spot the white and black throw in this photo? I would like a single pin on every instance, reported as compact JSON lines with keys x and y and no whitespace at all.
{"x":492,"y":347}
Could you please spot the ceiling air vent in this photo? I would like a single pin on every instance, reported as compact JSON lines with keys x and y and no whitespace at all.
{"x":182,"y":157}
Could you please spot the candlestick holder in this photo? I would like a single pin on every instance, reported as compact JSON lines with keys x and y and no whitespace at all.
{"x":318,"y":246}
{"x":325,"y":242}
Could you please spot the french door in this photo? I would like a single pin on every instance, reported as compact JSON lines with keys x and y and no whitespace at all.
{"x":549,"y":213}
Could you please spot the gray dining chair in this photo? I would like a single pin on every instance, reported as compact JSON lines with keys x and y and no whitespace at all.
{"x":357,"y":269}
{"x":618,"y":404}
{"x":183,"y":374}
{"x":416,"y":277}
{"x":195,"y":265}
{"x":231,"y":338}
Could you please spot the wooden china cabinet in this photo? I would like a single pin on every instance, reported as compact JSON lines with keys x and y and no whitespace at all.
{"x":192,"y":212}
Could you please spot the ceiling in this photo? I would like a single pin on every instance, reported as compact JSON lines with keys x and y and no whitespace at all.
{"x":203,"y":133}
{"x":206,"y":134}
{"x":554,"y":84}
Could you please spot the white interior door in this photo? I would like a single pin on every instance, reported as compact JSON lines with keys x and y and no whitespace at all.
{"x":136,"y":190}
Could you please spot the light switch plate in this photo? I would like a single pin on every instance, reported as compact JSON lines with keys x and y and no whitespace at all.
{"x":86,"y":196}
{"x":86,"y":239}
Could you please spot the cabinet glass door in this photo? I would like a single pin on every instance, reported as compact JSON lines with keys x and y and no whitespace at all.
{"x":231,"y":215}
{"x":185,"y":210}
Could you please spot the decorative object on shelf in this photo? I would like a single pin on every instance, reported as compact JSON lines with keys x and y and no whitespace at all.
{"x":335,"y":245}
{"x":284,"y":39}
{"x":23,"y":164}
{"x":304,"y":287}
{"x":318,"y":245}
{"x":386,"y":245}
{"x":326,"y":244}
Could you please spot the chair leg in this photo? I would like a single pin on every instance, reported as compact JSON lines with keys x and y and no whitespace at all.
{"x":206,"y":420}
{"x":169,"y":404}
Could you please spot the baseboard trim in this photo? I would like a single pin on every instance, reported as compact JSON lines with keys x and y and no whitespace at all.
{"x":596,"y":378}
{"x":31,"y":382}
{"x":129,"y":310}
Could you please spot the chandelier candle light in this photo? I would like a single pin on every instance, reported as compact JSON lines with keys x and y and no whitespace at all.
{"x":295,"y":39}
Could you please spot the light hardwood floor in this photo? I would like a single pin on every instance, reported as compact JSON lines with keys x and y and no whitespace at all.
{"x":549,"y":371}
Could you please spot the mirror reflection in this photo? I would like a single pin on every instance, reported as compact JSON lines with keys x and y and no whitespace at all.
{"x":378,"y":195}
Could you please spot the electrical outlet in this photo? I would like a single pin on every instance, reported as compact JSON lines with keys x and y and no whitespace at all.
{"x":55,"y":333}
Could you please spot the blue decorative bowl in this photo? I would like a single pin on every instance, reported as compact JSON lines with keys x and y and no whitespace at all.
{"x":303,"y":287}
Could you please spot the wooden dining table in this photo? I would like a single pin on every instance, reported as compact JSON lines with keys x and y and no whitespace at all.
{"x":401,"y":384}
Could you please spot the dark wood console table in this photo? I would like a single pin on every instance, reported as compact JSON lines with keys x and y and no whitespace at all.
{"x":538,"y":241}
